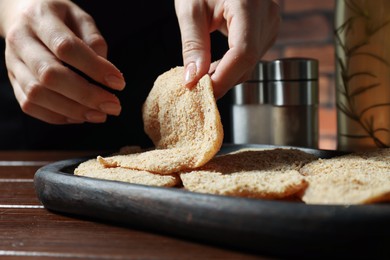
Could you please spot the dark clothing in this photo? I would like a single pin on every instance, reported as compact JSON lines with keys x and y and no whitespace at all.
{"x":144,"y":41}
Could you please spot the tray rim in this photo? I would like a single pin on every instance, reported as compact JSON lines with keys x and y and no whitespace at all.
{"x":54,"y":178}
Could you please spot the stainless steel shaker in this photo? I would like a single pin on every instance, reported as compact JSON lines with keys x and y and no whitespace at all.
{"x":278,"y":105}
{"x":250,"y":109}
{"x":293,"y":97}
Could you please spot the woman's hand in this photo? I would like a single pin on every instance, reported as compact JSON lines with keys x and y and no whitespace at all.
{"x":45,"y":37}
{"x":251,"y":27}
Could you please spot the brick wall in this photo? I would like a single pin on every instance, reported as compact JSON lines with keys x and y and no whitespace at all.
{"x":307,"y":31}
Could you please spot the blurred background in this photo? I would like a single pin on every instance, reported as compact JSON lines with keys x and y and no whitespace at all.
{"x":307,"y":31}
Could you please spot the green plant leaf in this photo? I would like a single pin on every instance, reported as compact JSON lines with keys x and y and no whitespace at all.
{"x":372,"y":107}
{"x":374,"y":56}
{"x":356,"y":47}
{"x":381,"y":130}
{"x":357,"y":74}
{"x":347,"y":111}
{"x":361,"y":90}
{"x":380,"y":144}
{"x":373,"y":30}
{"x":356,"y":8}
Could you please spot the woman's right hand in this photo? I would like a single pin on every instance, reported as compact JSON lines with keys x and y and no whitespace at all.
{"x":45,"y":37}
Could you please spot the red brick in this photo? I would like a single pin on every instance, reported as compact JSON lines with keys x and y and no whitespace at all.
{"x":303,"y":29}
{"x":327,"y":121}
{"x":324,"y":53}
{"x":306,"y":31}
{"x":328,"y":143}
{"x":324,"y":93}
{"x":297,"y":6}
{"x":327,"y":128}
{"x":327,"y":91}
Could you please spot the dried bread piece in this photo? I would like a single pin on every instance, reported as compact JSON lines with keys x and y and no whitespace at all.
{"x":92,"y":168}
{"x":184,"y":125}
{"x":268,"y":174}
{"x":382,"y":155}
{"x":358,"y":178}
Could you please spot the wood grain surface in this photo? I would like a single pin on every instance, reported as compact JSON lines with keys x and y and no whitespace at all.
{"x":28,"y":230}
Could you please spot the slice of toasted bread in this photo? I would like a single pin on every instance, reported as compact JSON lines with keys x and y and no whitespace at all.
{"x":358,"y":178}
{"x":92,"y":168}
{"x":184,"y":124}
{"x":268,"y":174}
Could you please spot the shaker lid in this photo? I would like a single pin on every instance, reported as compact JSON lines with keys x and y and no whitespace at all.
{"x":253,"y":90}
{"x":297,"y":68}
{"x":260,"y":72}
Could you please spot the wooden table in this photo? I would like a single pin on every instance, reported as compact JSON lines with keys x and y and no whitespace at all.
{"x":28,"y":230}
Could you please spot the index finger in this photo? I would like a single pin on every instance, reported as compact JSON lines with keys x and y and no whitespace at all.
{"x":195,"y":38}
{"x":69,"y":48}
{"x":252,"y":29}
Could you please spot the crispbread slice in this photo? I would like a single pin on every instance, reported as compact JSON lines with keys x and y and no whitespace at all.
{"x":253,"y":184}
{"x":92,"y":168}
{"x":184,"y":125}
{"x":263,"y":159}
{"x":269,"y":174}
{"x":357,"y":178}
{"x":382,"y":154}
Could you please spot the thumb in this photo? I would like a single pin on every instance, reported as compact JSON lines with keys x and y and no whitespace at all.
{"x":195,"y":37}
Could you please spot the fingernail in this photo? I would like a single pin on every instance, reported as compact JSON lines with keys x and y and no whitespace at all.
{"x":190,"y":73}
{"x":95,"y":116}
{"x":110,"y":108}
{"x":115,"y":82}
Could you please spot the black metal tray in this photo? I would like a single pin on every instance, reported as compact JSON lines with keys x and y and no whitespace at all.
{"x":273,"y":228}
